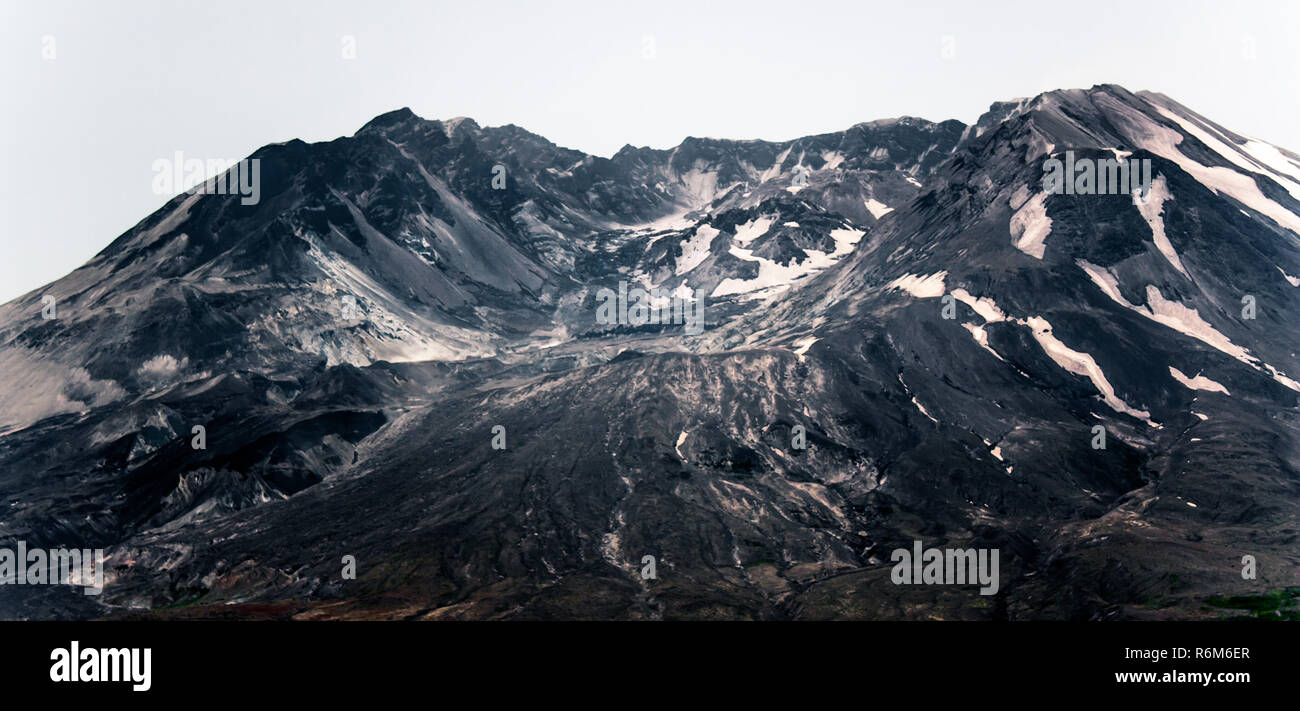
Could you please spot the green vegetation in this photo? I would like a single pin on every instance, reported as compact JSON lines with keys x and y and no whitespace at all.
{"x":187,"y":600}
{"x":1281,"y":604}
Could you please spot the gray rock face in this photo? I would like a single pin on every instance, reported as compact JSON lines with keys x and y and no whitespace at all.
{"x":399,"y":355}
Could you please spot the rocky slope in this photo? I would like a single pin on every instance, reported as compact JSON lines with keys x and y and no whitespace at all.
{"x":949,"y":336}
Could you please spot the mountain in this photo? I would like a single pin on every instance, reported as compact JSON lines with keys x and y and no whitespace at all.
{"x":949,"y":337}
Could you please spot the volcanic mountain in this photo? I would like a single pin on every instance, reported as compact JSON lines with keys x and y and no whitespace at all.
{"x":396,"y":362}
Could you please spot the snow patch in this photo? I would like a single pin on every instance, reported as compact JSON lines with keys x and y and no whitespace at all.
{"x":1030,"y":226}
{"x":985,"y":307}
{"x":927,"y":287}
{"x":1164,"y":142}
{"x":923,"y":410}
{"x":1183,"y":319}
{"x":1107,"y":282}
{"x":1270,"y":156}
{"x":1081,"y":363}
{"x":877,"y":208}
{"x":1280,"y":377}
{"x":753,"y":229}
{"x":1151,"y":210}
{"x":845,"y":240}
{"x":1200,"y":382}
{"x":771,"y":273}
{"x":981,"y":337}
{"x":1189,"y":322}
{"x":696,"y":249}
{"x":802,"y":345}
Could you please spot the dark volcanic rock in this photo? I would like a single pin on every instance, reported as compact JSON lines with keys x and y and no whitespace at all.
{"x":397,"y":363}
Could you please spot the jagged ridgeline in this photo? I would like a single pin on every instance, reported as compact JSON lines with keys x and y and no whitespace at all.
{"x":437,"y":370}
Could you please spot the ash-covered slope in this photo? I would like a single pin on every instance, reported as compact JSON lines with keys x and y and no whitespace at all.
{"x":396,"y":244}
{"x":1070,"y":312}
{"x":948,"y":334}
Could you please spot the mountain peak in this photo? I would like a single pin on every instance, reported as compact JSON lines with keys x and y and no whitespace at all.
{"x":391,"y":118}
{"x":453,"y":125}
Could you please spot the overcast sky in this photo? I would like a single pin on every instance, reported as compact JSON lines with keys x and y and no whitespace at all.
{"x":97,"y":91}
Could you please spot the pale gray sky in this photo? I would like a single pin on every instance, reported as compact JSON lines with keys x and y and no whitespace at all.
{"x":132,"y":81}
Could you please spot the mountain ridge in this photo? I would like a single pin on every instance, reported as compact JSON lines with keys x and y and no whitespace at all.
{"x":948,"y":334}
